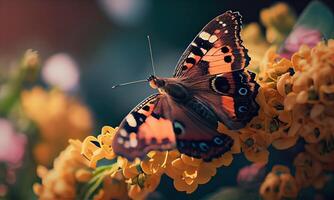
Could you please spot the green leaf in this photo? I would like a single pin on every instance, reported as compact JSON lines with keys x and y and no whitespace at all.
{"x":92,"y":186}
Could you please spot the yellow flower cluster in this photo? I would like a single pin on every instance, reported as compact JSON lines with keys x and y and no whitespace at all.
{"x":279,"y":184}
{"x":69,"y":169}
{"x":309,"y":171}
{"x":278,"y":21}
{"x":95,"y":153}
{"x":311,"y":96}
{"x":295,"y":101}
{"x":256,"y":44}
{"x":143,"y":177}
{"x":58,"y":117}
{"x":306,"y":92}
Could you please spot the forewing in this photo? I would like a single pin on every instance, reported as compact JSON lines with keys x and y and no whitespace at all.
{"x":216,"y":49}
{"x":141,"y":131}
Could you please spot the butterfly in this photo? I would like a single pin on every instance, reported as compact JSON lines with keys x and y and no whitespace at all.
{"x":210,"y":86}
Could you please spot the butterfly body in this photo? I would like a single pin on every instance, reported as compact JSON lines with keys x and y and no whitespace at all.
{"x":210,"y":86}
{"x":182,"y":92}
{"x":171,"y":87}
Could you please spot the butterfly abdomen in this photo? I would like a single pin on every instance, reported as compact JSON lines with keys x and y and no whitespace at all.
{"x":183,"y":95}
{"x":178,"y":92}
{"x":203,"y":111}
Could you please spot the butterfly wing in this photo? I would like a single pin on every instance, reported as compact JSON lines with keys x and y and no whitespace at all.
{"x":195,"y":126}
{"x":232,"y":96}
{"x":141,"y":131}
{"x":216,"y":49}
{"x":213,"y":68}
{"x":159,"y":123}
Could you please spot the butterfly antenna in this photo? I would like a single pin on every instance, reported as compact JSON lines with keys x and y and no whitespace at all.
{"x":129,"y":83}
{"x":144,"y":80}
{"x":151,"y":54}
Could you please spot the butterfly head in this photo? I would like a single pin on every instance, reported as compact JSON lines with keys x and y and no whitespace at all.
{"x":156,"y":82}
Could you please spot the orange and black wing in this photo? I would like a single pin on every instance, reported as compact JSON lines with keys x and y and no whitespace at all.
{"x":142,"y":131}
{"x":232,"y":96}
{"x":159,"y":123}
{"x":214,"y":68}
{"x":216,"y":49}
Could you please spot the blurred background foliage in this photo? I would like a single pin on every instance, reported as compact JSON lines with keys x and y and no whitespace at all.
{"x":103,"y":43}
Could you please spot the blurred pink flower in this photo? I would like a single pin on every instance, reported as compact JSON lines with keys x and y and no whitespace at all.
{"x":62,"y":71}
{"x":299,"y":36}
{"x":251,"y":176}
{"x":12,"y":144}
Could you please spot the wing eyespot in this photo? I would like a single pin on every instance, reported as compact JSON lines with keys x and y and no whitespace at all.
{"x":204,"y":146}
{"x":178,"y":128}
{"x":218,"y":140}
{"x":242,"y":109}
{"x":243,"y":91}
{"x":220,"y":84}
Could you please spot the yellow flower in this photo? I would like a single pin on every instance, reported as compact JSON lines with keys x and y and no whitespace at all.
{"x":187,"y":172}
{"x":288,"y":188}
{"x":31,"y":59}
{"x":155,"y":163}
{"x":114,"y":187}
{"x":326,"y":94}
{"x":129,"y":169}
{"x":95,"y":149}
{"x":140,"y":191}
{"x":279,"y":184}
{"x":308,"y":170}
{"x":256,"y":44}
{"x":279,"y":20}
{"x":58,"y":117}
{"x":254,"y":145}
{"x":270,"y":187}
{"x":323,"y":150}
{"x":284,"y":141}
{"x":69,"y":169}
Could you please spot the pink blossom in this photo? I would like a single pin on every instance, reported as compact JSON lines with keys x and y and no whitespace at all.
{"x":250,"y":176}
{"x":299,"y":36}
{"x":12,"y":144}
{"x":62,"y":71}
